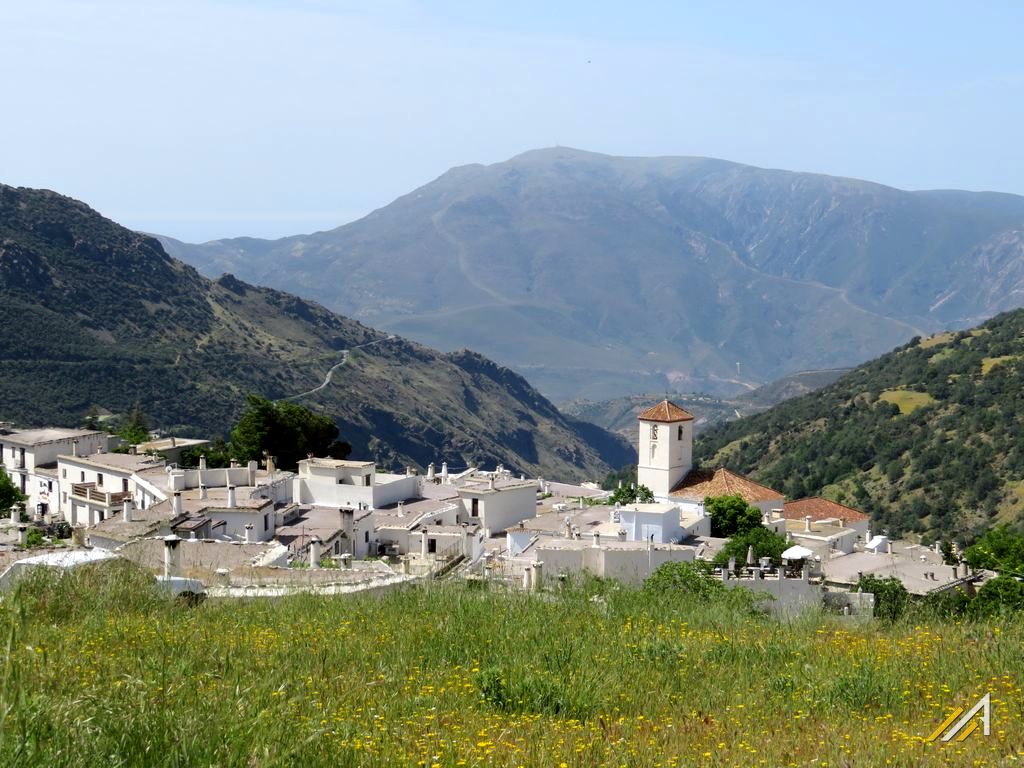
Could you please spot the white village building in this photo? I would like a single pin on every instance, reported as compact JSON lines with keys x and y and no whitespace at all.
{"x":30,"y":459}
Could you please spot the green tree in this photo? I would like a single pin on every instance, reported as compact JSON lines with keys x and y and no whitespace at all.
{"x":627,"y":494}
{"x":766,"y":543}
{"x":625,"y":476}
{"x":9,"y":494}
{"x":285,"y":430}
{"x":92,"y":419}
{"x":136,"y":429}
{"x":731,"y":515}
{"x":1001,"y":595}
{"x":891,"y":597}
{"x":1000,"y":549}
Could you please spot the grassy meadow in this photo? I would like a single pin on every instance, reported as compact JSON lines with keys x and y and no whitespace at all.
{"x":99,"y":670}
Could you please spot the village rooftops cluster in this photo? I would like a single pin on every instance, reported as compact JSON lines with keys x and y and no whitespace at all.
{"x":254,"y":529}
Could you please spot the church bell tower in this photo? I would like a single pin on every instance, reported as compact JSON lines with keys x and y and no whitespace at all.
{"x":665,"y":447}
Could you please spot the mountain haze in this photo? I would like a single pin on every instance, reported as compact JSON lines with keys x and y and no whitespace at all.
{"x":102,"y":316}
{"x":597,"y":275}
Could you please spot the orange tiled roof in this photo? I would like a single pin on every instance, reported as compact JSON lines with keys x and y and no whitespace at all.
{"x":821,"y":509}
{"x":701,"y":483}
{"x":665,"y":411}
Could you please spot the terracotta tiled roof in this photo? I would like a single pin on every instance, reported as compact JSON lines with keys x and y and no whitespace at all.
{"x":821,"y":509}
{"x":665,"y":411}
{"x":701,"y":483}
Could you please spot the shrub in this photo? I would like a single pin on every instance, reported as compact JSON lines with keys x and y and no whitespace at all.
{"x":891,"y":597}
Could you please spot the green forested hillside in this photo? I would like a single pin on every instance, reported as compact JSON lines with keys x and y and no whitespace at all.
{"x":927,"y":438}
{"x":98,"y":315}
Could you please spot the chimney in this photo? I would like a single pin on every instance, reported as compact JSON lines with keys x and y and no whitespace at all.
{"x":129,"y":507}
{"x":172,"y":557}
{"x":597,"y":539}
{"x":248,"y":533}
{"x":444,"y":471}
{"x":430,"y":471}
{"x":314,"y":552}
{"x":401,"y":508}
{"x":490,"y":483}
{"x":15,"y":515}
{"x":271,"y":464}
{"x":842,"y":522}
{"x":251,"y":467}
{"x":527,"y":578}
{"x":234,"y":464}
{"x":74,"y":448}
{"x":174,"y":442}
{"x":346,"y":560}
{"x":176,"y":503}
{"x":538,"y":576}
{"x":22,"y":535}
{"x":807,"y":523}
{"x":622,"y":534}
{"x":133,"y":450}
{"x":232,"y":501}
{"x":202,"y":463}
{"x":888,"y":547}
{"x":938,"y":547}
{"x":408,"y":471}
{"x":202,"y":492}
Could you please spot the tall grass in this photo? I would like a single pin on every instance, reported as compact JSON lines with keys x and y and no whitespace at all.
{"x":99,"y":669}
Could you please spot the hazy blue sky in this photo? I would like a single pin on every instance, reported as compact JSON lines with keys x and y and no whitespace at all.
{"x":211,"y":118}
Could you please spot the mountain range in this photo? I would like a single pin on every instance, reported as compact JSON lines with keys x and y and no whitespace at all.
{"x":928,"y":438}
{"x":599,"y":276}
{"x":100,"y":316}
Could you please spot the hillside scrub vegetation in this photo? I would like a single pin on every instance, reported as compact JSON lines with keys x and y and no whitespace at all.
{"x":97,"y":668}
{"x":928,"y":439}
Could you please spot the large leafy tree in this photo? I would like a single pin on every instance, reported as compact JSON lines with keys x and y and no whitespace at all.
{"x":731,"y":515}
{"x":285,"y":430}
{"x":9,"y":494}
{"x":1000,"y":549}
{"x":136,"y":429}
{"x":765,"y":543}
{"x":627,"y":494}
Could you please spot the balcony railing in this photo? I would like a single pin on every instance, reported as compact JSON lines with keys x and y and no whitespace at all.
{"x":90,"y":493}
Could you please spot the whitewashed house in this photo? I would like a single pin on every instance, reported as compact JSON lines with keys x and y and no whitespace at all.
{"x":30,"y":459}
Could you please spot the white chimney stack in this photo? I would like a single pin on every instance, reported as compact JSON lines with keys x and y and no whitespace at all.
{"x":430,"y":471}
{"x":202,"y":492}
{"x":490,"y":483}
{"x":807,"y":523}
{"x":129,"y":507}
{"x":232,"y":501}
{"x":172,"y":557}
{"x":202,"y":463}
{"x":176,"y":503}
{"x":314,"y":552}
{"x":248,"y":533}
{"x":74,"y":447}
{"x":444,"y":471}
{"x":401,"y":509}
{"x":22,"y":535}
{"x":271,"y":465}
{"x":597,"y":539}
